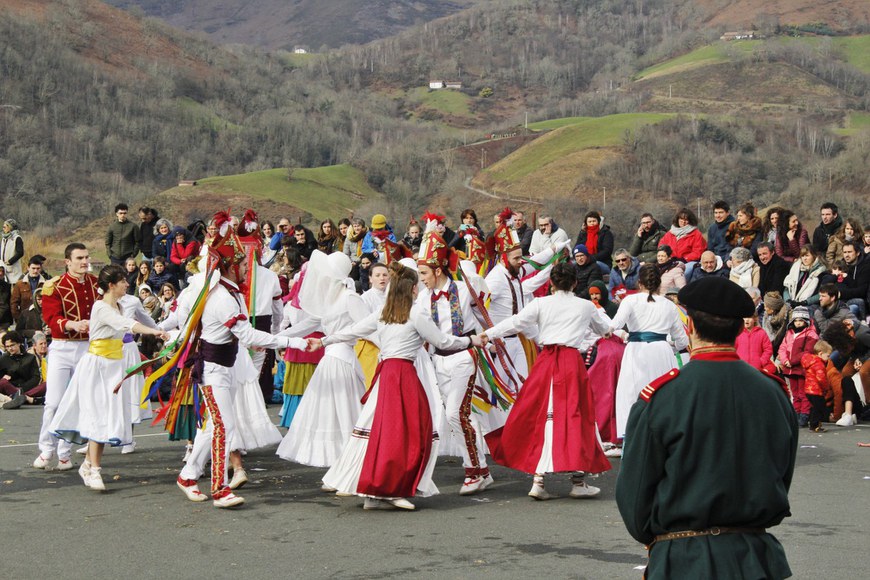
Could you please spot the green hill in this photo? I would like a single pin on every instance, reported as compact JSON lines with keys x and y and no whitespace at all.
{"x":323,"y":192}
{"x":584,"y":134}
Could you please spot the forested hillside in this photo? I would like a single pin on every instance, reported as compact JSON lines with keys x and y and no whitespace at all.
{"x":276,"y":24}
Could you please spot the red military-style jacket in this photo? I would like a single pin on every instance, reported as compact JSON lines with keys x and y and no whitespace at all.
{"x":66,"y":299}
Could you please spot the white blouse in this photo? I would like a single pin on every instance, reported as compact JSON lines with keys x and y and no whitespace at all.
{"x":561,"y":318}
{"x":661,"y":316}
{"x":108,"y":322}
{"x":401,"y":340}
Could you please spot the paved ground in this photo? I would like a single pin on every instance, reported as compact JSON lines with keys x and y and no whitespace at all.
{"x":142,"y":527}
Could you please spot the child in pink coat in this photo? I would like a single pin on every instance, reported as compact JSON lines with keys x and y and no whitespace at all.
{"x":754,"y":346}
{"x":800,"y":338}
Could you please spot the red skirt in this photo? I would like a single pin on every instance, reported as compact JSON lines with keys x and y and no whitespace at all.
{"x":400,"y":441}
{"x":519,"y":444}
{"x":603,"y":376}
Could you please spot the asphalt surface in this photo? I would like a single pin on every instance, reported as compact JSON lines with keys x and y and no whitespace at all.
{"x":143,"y":527}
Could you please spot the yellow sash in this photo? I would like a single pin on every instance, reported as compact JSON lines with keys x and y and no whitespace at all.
{"x":107,"y":347}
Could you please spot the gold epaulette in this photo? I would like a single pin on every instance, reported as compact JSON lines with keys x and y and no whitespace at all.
{"x":48,"y":287}
{"x":650,"y":390}
{"x":779,"y":380}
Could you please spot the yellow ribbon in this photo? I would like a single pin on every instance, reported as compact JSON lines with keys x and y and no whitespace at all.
{"x":107,"y":347}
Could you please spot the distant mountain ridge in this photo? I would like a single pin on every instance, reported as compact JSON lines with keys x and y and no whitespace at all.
{"x":282,"y":24}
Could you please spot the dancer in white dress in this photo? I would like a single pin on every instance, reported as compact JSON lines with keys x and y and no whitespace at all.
{"x":392,"y":453}
{"x":92,"y":409}
{"x":325,"y":417}
{"x":650,"y":320}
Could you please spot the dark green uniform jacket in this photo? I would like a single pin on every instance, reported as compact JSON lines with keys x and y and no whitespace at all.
{"x":712,"y":445}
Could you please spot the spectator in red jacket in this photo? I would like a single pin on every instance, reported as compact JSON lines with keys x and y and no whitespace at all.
{"x":816,"y":385}
{"x":184,"y":249}
{"x":685,"y":239}
{"x":754,"y":346}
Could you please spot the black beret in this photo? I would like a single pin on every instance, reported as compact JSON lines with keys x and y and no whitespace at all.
{"x":718,"y":296}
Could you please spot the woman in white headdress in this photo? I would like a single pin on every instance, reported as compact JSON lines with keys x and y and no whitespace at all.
{"x":325,"y":417}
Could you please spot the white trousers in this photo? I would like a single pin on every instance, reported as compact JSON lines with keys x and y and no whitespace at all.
{"x":63,"y":355}
{"x":220,"y":380}
{"x":453,"y":374}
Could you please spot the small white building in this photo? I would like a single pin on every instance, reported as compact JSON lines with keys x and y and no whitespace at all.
{"x":740,"y":35}
{"x":436,"y":84}
{"x":300,"y":50}
{"x":453,"y":85}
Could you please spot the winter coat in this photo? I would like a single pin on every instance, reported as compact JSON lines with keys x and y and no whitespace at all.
{"x":183,"y":253}
{"x":792,"y":250}
{"x":794,"y":346}
{"x":837,"y":312}
{"x":645,"y":247}
{"x":754,"y":347}
{"x":22,"y":295}
{"x":370,"y":245}
{"x":673,"y":277}
{"x":605,"y":244}
{"x":586,"y":274}
{"x":162,"y":246}
{"x":688,"y":248}
{"x":816,"y":375}
{"x":823,"y":233}
{"x":748,"y":236}
{"x":771,"y":276}
{"x":122,"y":240}
{"x":716,"y":238}
{"x":857,"y":282}
{"x":628,"y":279}
{"x":745,"y":279}
{"x":803,"y":286}
{"x":776,"y":324}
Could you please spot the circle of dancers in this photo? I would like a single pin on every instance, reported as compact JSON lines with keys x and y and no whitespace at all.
{"x":470,"y":351}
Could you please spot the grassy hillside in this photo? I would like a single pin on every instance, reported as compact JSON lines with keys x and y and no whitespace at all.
{"x":323,"y":192}
{"x":551,"y":163}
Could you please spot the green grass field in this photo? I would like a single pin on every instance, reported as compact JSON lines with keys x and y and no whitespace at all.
{"x":323,"y":191}
{"x":446,"y":102}
{"x":203,"y":115}
{"x":706,"y":55}
{"x":551,"y":124}
{"x":855,"y":123}
{"x":855,"y":49}
{"x":591,"y":132}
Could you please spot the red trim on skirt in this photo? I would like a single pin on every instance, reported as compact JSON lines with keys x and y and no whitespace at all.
{"x":519,"y":444}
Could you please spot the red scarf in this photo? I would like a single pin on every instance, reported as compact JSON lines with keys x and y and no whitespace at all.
{"x":592,"y":239}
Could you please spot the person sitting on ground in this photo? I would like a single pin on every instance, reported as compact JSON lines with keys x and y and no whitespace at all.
{"x":548,"y":234}
{"x":854,"y":280}
{"x":791,"y":237}
{"x":754,"y":346}
{"x":852,"y":342}
{"x":745,"y":231}
{"x":623,"y":276}
{"x":161,"y":245}
{"x":598,"y":238}
{"x":375,"y":241}
{"x":645,"y":242}
{"x":817,"y":388}
{"x":160,"y":275}
{"x":586,"y":269}
{"x":132,"y":269}
{"x":831,"y":309}
{"x":304,"y":241}
{"x":671,"y":270}
{"x":709,"y":265}
{"x":354,"y":241}
{"x":744,"y":271}
{"x":19,"y":374}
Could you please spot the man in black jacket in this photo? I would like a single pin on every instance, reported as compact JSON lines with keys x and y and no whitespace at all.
{"x":772,"y":269}
{"x":524,"y":232}
{"x":19,"y":373}
{"x":831,"y":309}
{"x":829,"y":225}
{"x":855,"y":279}
{"x":148,"y":216}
